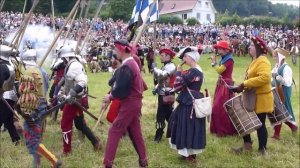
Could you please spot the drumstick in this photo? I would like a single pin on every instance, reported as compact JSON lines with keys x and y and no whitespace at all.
{"x":228,"y":86}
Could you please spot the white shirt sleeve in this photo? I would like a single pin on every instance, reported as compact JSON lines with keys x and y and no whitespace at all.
{"x":287,"y":76}
{"x":77,"y":73}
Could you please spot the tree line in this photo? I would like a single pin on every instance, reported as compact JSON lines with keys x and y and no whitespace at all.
{"x":122,"y":9}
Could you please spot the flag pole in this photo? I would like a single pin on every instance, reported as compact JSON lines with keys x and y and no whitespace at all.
{"x":139,"y":35}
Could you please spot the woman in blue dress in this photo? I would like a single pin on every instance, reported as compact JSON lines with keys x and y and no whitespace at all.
{"x":187,"y":134}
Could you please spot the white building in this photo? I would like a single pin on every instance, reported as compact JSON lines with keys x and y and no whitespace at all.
{"x":203,"y":10}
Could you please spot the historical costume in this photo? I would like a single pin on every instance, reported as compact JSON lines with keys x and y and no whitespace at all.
{"x":7,"y":92}
{"x":75,"y":83}
{"x":150,"y":59}
{"x":220,"y":123}
{"x":258,"y":77}
{"x":115,"y":104}
{"x":187,"y":134}
{"x":32,"y":106}
{"x":283,"y":76}
{"x":128,"y":88}
{"x":58,"y":68}
{"x":165,"y":78}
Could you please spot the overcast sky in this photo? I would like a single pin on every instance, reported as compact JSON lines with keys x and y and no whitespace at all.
{"x":289,"y":2}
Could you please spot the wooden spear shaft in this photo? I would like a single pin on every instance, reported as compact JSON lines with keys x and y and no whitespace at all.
{"x":19,"y":40}
{"x":71,"y":23}
{"x":23,"y":26}
{"x":24,"y":7}
{"x":58,"y":34}
{"x":2,"y":4}
{"x":53,"y":18}
{"x":80,"y":32}
{"x":95,"y":17}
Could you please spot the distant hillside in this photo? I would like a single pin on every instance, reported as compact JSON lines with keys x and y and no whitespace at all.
{"x":246,"y":8}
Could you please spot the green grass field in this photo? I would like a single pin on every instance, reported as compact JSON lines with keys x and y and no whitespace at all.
{"x":283,"y":153}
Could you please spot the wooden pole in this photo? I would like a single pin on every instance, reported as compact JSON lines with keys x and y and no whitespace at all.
{"x":154,"y":38}
{"x":53,"y":22}
{"x":88,"y":7}
{"x":24,"y":7}
{"x":71,"y":23}
{"x":95,"y":17}
{"x":53,"y":18}
{"x":139,"y":35}
{"x":2,"y":4}
{"x":80,"y":32}
{"x":60,"y":31}
{"x":23,"y":26}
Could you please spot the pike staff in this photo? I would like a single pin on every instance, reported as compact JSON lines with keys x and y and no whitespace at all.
{"x":71,"y":23}
{"x":2,"y":4}
{"x":59,"y":33}
{"x":95,"y":17}
{"x":20,"y":33}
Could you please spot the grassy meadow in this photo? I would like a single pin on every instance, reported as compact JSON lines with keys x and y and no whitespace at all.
{"x":283,"y":153}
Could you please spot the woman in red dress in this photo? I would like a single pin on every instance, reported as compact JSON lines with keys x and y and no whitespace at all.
{"x":220,"y":123}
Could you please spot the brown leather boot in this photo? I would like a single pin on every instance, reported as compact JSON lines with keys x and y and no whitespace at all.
{"x":246,"y":148}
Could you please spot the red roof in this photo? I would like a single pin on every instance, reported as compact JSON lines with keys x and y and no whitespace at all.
{"x":173,"y":6}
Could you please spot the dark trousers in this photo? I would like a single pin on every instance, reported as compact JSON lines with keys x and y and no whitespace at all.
{"x":163,"y":114}
{"x":7,"y":118}
{"x":262,"y":133}
{"x":149,"y":64}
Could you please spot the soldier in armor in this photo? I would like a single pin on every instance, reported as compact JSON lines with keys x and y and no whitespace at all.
{"x":165,"y":78}
{"x":58,"y":68}
{"x":7,"y":92}
{"x":75,"y":84}
{"x":32,"y":105}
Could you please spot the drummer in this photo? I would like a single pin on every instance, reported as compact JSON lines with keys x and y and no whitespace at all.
{"x":282,"y":74}
{"x":259,"y":77}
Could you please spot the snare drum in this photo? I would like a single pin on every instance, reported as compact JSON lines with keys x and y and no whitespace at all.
{"x":280,"y":113}
{"x":244,"y":121}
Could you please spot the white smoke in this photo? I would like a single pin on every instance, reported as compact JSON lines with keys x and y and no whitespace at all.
{"x":38,"y":37}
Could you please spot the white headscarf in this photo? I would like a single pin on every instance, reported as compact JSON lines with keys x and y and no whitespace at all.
{"x":194,"y":54}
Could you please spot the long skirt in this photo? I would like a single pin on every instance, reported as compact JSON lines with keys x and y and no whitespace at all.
{"x":220,"y":123}
{"x":186,"y":133}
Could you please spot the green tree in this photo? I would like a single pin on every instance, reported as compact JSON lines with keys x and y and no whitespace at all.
{"x":121,"y":9}
{"x":169,"y":19}
{"x":258,"y":7}
{"x":13,"y":5}
{"x":63,"y":6}
{"x":240,"y":7}
{"x":192,"y":21}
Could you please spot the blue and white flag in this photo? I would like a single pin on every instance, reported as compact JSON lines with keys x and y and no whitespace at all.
{"x":141,"y":10}
{"x":140,"y":15}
